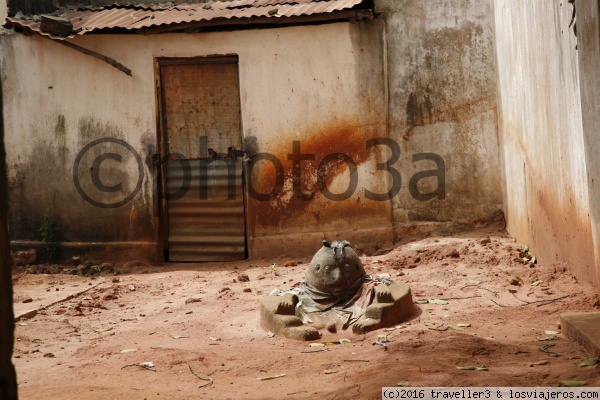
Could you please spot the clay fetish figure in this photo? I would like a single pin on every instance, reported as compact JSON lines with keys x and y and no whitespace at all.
{"x":336,"y":293}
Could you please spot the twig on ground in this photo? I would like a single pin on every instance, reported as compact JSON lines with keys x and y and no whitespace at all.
{"x":546,"y":300}
{"x":209,"y":381}
{"x":315,"y":351}
{"x":143,"y":365}
{"x":482,"y":288}
{"x":69,"y":297}
{"x":545,"y":347}
{"x":356,"y":360}
{"x":538,"y":302}
{"x":73,"y":326}
{"x":460,"y":298}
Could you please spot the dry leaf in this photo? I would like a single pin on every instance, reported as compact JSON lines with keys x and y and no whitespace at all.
{"x":535,"y":364}
{"x":438,"y":302}
{"x":272,"y":377}
{"x":128,"y":350}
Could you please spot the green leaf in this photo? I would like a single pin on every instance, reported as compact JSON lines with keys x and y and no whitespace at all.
{"x":342,"y":341}
{"x":317,"y":345}
{"x":430,"y":323}
{"x":422,"y":301}
{"x":573,"y":383}
{"x":551,"y":332}
{"x":463,"y":325}
{"x":215,"y":339}
{"x":588,"y":362}
{"x":403,"y":384}
{"x":179,"y":337}
{"x":537,"y":283}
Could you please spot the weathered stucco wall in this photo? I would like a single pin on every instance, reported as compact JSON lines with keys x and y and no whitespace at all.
{"x":442,"y":99}
{"x":588,"y":28}
{"x":546,"y":191}
{"x":296,"y":83}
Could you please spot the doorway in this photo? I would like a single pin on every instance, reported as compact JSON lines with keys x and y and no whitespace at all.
{"x":202,"y":169}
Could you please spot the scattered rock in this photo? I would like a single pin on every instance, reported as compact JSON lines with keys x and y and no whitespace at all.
{"x":485,"y":241}
{"x":248,"y":290}
{"x":49,"y":355}
{"x":224,"y":290}
{"x":453,"y":253}
{"x":290,"y":263}
{"x":25,"y":257}
{"x":243,"y":277}
{"x":116,"y":280}
{"x":515,"y":281}
{"x":193,"y":300}
{"x":417,"y":260}
{"x":27,"y":300}
{"x":131,"y":287}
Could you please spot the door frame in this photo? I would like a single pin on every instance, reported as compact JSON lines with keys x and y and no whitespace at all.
{"x":162,"y":148}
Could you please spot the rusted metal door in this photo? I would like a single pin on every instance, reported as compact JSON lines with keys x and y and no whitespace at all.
{"x":201,"y":119}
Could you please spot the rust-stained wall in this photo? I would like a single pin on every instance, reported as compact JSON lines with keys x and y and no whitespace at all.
{"x":442,"y":99}
{"x":588,"y":27}
{"x":422,"y":75}
{"x":296,"y":84}
{"x":546,"y":190}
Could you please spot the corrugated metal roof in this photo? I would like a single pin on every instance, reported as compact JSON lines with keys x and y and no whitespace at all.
{"x":134,"y":17}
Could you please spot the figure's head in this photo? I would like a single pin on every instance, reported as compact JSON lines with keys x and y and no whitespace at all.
{"x":334,"y":268}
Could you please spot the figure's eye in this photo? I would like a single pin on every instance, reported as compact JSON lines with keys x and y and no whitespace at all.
{"x":318,"y":267}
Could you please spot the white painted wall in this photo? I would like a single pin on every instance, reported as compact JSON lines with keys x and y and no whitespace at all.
{"x":546,"y":192}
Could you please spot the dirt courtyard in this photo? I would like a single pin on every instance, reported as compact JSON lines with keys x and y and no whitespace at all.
{"x":202,"y":320}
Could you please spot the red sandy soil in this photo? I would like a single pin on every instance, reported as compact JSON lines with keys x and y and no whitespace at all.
{"x":74,"y":348}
